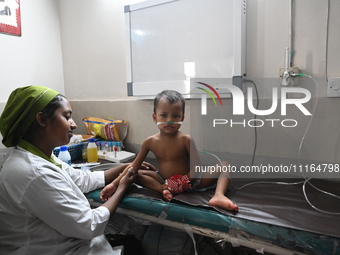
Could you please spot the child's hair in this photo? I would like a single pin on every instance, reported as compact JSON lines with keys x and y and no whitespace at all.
{"x":172,"y":96}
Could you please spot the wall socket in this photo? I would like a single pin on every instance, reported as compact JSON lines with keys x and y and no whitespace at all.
{"x":333,"y":87}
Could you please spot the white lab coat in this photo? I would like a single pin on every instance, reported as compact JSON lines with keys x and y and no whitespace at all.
{"x":43,"y":209}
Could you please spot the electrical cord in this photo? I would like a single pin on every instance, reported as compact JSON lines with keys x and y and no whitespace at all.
{"x":255,"y":130}
{"x":327,"y":39}
{"x":257,"y":107}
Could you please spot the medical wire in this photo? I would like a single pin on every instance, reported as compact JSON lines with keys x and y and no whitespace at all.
{"x":255,"y":144}
{"x":307,"y":180}
{"x":311,"y":119}
{"x":301,"y":142}
{"x":169,"y":123}
{"x":259,"y":182}
{"x":212,"y":154}
{"x":262,"y":182}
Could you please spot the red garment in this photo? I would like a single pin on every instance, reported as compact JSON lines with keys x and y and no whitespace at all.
{"x":178,"y":183}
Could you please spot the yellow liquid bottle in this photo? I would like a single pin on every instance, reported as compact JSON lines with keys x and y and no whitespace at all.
{"x":92,"y":151}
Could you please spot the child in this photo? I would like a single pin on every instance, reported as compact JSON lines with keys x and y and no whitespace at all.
{"x":172,"y":150}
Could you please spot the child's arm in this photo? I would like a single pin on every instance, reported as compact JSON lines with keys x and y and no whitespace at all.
{"x":136,"y":164}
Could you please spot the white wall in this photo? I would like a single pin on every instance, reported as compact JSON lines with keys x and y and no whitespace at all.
{"x":95,"y":70}
{"x":93,"y":39}
{"x":94,"y":73}
{"x":35,"y":57}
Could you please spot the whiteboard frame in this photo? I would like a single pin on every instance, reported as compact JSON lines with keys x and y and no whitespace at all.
{"x":148,"y":90}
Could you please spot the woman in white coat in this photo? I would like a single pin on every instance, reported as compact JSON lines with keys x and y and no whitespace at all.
{"x":42,"y":206}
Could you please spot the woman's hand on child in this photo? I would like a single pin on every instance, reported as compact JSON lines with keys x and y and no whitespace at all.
{"x":128,"y":178}
{"x":125,"y":181}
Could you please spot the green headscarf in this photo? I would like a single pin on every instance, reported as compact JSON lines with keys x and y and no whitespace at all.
{"x":22,"y":106}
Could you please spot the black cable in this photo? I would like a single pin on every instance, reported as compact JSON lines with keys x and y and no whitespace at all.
{"x":257,"y":107}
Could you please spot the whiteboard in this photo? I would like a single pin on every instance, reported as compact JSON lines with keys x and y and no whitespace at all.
{"x":165,"y":36}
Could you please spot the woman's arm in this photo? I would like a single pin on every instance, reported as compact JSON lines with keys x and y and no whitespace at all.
{"x":112,"y":203}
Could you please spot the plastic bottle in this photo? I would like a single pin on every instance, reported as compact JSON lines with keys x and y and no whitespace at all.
{"x":64,"y":155}
{"x":92,"y":151}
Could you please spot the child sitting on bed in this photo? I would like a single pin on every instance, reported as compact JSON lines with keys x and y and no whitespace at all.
{"x":172,"y":150}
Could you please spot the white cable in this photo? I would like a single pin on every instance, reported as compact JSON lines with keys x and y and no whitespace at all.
{"x":266,"y":182}
{"x":305,"y":194}
{"x":269,"y":182}
{"x":310,"y":120}
{"x":307,"y":180}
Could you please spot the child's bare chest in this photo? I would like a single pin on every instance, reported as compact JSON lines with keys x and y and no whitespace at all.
{"x":168,"y":150}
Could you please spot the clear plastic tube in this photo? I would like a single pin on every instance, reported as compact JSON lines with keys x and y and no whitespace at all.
{"x":306,"y":180}
{"x":170,"y":123}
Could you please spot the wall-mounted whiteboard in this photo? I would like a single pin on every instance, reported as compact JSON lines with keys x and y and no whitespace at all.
{"x":171,"y":41}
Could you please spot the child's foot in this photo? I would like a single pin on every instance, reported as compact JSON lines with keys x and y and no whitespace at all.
{"x":223,"y":202}
{"x":167,"y":195}
{"x":107,"y":191}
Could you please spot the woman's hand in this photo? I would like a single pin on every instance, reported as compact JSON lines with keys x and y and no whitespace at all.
{"x":128,"y":178}
{"x":125,"y":181}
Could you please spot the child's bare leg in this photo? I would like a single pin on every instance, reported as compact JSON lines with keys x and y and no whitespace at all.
{"x":151,"y":180}
{"x":167,"y":194}
{"x":219,"y":199}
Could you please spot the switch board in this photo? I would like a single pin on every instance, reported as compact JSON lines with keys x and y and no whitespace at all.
{"x":333,"y":87}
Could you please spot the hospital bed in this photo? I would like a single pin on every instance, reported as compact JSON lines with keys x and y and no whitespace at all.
{"x":274,"y":218}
